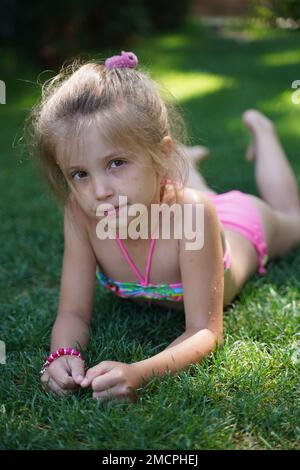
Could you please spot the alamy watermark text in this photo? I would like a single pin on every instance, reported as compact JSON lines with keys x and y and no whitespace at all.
{"x":187,"y":219}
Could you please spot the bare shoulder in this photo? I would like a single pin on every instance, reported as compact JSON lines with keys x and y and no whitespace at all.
{"x":194,"y":196}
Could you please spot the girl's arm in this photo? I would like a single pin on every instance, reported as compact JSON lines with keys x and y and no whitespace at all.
{"x":77,"y":283}
{"x":202,"y":274}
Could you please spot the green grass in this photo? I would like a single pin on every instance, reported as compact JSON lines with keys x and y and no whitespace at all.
{"x":246,"y":394}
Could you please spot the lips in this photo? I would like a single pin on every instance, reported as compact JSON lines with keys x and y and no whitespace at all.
{"x":115,"y":210}
{"x":112,"y":210}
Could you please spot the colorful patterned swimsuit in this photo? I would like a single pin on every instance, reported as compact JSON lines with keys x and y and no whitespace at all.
{"x":144,"y":289}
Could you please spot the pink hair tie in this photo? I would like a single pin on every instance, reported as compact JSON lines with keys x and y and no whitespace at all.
{"x":127,"y":59}
{"x":60,"y":352}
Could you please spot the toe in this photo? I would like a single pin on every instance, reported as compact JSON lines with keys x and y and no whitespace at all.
{"x":255,"y":120}
{"x":249,"y":115}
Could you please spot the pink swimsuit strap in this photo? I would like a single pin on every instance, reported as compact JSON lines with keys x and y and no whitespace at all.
{"x":142,"y":281}
{"x":145,"y":281}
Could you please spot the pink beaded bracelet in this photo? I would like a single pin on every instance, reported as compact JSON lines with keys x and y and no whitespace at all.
{"x":60,"y":352}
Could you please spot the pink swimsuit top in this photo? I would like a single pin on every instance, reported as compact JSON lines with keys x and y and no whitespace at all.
{"x":143,"y":289}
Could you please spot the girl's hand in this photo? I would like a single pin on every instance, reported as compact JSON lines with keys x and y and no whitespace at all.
{"x":113,"y":380}
{"x":64,"y":375}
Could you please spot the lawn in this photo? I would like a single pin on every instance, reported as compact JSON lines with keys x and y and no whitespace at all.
{"x":246,"y":394}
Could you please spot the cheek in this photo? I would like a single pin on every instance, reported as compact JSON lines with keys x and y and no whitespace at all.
{"x":82,"y":199}
{"x":80,"y":190}
{"x":151,"y":182}
{"x":140,"y":184}
{"x":147,"y":178}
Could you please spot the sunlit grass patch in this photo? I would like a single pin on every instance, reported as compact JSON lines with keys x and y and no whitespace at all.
{"x":194,"y":85}
{"x":281,"y":58}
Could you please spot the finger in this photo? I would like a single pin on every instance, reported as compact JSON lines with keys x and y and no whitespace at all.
{"x":95,"y":371}
{"x":109,"y":394}
{"x":114,"y":395}
{"x":61,"y":377}
{"x":51,"y":385}
{"x":45,"y":379}
{"x":104,"y":381}
{"x":77,"y":370}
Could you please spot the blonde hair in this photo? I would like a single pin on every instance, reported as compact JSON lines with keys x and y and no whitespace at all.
{"x":129,"y":106}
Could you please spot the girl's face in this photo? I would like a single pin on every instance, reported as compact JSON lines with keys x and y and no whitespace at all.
{"x":98,"y":173}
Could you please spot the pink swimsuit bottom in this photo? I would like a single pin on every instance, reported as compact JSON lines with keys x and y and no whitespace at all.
{"x":237,"y":212}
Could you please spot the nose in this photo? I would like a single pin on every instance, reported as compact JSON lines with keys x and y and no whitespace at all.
{"x":102,"y":190}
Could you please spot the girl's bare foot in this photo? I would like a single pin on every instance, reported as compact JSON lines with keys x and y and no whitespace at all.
{"x":257,"y":123}
{"x":196,"y":153}
{"x":275,"y":179}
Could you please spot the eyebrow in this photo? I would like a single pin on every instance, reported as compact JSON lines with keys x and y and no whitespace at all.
{"x":75,"y":167}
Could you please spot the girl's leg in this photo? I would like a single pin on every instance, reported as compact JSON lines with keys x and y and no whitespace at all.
{"x":195,"y":153}
{"x":274,"y":176}
{"x":276,"y":184}
{"x":195,"y":179}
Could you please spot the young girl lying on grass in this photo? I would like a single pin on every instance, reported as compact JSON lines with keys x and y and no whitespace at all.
{"x":104,"y":135}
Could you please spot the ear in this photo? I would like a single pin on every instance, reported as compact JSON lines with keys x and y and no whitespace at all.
{"x":166,"y":145}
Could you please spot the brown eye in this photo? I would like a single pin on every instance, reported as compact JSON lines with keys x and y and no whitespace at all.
{"x":117,"y":162}
{"x":81,"y":174}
